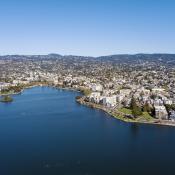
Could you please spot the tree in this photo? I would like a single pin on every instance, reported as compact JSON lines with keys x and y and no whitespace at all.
{"x":169,"y":108}
{"x":136,"y":110}
{"x":147,"y":108}
{"x":133,"y":103}
{"x":6,"y":99}
{"x":85,"y":91}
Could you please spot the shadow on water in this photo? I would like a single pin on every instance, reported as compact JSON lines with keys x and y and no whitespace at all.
{"x":134,"y":129}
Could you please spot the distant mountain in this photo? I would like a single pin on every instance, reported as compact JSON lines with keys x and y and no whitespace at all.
{"x":120,"y":58}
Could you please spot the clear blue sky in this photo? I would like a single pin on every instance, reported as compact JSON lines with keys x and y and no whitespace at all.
{"x":87,"y":27}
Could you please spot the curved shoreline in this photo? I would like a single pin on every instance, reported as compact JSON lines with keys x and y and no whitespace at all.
{"x":16,"y":93}
{"x":100,"y":107}
{"x":109,"y":112}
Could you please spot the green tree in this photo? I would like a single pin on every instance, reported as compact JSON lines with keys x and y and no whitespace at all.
{"x":136,"y":110}
{"x":85,"y":91}
{"x":147,"y":108}
{"x":133,"y":103}
{"x":7,"y":98}
{"x":170,"y":107}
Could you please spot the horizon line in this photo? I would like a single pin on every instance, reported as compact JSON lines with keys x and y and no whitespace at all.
{"x":141,"y":53}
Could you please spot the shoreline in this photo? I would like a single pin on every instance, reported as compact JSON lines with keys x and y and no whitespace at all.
{"x":41,"y":85}
{"x":109,"y":111}
{"x":16,"y":93}
{"x":66,"y":88}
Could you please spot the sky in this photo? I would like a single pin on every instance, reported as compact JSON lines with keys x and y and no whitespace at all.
{"x":87,"y":27}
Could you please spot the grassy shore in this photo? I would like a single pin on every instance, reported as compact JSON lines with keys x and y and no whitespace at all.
{"x":122,"y":114}
{"x":125,"y":114}
{"x":22,"y":87}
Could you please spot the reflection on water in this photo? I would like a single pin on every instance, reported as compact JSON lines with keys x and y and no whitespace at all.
{"x":44,"y":131}
{"x":134,"y":129}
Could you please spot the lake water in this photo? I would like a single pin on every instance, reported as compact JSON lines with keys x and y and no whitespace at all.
{"x":45,"y":132}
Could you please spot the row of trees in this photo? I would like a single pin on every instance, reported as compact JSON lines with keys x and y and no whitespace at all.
{"x":14,"y":89}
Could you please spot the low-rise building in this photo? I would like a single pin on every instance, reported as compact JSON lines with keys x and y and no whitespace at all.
{"x":94,"y":97}
{"x":110,"y":101}
{"x":161,"y":112}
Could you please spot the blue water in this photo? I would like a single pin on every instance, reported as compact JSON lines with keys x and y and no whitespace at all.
{"x":45,"y":132}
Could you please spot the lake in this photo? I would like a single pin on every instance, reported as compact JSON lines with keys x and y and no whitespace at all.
{"x":45,"y":132}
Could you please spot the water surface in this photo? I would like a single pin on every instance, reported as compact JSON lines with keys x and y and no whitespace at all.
{"x":45,"y":132}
